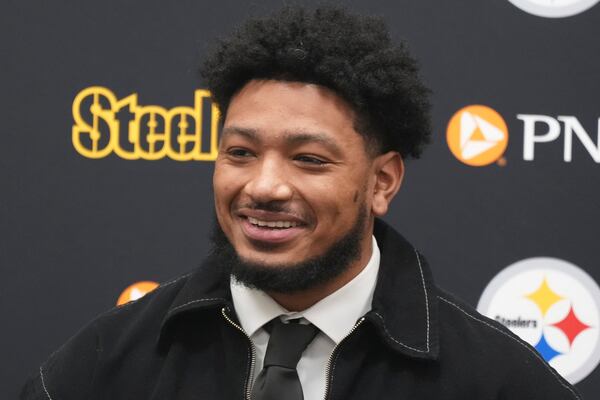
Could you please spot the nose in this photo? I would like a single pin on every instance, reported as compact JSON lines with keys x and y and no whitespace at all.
{"x":269,"y":182}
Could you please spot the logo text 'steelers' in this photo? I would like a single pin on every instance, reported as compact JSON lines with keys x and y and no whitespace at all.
{"x":105,"y":125}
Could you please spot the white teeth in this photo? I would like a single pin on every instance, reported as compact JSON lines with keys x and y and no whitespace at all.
{"x":272,"y":224}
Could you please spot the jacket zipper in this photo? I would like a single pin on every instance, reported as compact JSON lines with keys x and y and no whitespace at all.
{"x":248,"y":390}
{"x":332,"y":356}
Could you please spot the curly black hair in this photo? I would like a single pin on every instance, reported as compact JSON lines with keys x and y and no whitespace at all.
{"x":350,"y":54}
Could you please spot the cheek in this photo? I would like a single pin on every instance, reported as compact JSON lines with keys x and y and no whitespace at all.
{"x":223,"y":192}
{"x":332,"y":200}
{"x":225,"y":181}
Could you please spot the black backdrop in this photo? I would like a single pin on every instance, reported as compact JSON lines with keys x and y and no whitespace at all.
{"x":75,"y":231}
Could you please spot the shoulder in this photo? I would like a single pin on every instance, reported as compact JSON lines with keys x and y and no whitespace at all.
{"x":494,"y":353}
{"x":146,"y":312}
{"x":69,"y":371}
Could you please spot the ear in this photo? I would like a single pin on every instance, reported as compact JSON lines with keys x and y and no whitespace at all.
{"x":389,"y":171}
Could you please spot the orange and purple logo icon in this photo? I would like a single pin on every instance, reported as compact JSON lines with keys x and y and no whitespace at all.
{"x":136,"y":291}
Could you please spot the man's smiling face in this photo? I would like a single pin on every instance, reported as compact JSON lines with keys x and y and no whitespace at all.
{"x":292,"y":177}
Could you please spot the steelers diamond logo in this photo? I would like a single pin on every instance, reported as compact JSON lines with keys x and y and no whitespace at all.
{"x":554,"y":306}
{"x":554,"y":8}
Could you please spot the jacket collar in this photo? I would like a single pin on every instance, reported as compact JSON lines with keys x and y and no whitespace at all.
{"x":205,"y":288}
{"x":404,"y":309}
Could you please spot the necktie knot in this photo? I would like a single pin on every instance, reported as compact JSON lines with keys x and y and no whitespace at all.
{"x":287,"y":343}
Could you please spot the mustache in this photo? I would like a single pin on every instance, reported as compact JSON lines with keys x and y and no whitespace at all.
{"x":279,"y":207}
{"x":271,"y":206}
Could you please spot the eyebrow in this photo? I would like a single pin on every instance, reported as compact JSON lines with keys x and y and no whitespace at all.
{"x":291,"y":137}
{"x":248,"y":133}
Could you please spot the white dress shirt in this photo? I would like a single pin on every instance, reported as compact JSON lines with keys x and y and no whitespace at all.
{"x":335,"y":316}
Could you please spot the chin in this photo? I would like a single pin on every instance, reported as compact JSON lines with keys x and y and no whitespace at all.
{"x":269,"y":259}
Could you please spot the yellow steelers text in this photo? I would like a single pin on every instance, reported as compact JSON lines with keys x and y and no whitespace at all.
{"x":105,"y":125}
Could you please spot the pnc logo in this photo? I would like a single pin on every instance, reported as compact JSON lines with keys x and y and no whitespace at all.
{"x":136,"y":291}
{"x":105,"y":124}
{"x":554,"y":306}
{"x":477,"y":135}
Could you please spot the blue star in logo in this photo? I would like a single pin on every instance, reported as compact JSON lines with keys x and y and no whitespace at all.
{"x":547,"y":352}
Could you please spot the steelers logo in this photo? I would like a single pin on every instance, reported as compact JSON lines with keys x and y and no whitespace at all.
{"x":554,"y":306}
{"x":554,"y":8}
{"x":136,"y":291}
{"x":477,"y":135}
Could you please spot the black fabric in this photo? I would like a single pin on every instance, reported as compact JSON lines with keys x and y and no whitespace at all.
{"x":183,"y":342}
{"x":279,"y":378}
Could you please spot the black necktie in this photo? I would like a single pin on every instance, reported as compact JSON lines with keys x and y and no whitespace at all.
{"x":278,"y":379}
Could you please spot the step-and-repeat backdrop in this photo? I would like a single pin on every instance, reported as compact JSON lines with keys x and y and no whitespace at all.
{"x":104,"y":192}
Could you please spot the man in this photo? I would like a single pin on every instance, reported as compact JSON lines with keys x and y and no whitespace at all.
{"x":305,"y":294}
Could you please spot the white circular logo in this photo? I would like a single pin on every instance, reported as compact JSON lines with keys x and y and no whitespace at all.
{"x":554,"y":306}
{"x":554,"y":8}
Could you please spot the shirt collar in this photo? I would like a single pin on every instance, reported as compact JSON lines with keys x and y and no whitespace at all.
{"x":334,"y":315}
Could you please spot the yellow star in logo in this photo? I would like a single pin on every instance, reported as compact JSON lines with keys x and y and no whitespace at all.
{"x":544,"y":297}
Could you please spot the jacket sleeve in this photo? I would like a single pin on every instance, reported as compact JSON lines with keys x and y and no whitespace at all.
{"x":69,"y":372}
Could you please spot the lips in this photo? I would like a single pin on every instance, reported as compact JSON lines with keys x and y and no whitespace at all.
{"x":270,"y":228}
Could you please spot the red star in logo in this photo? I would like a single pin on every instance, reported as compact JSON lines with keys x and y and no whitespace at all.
{"x":571,"y":325}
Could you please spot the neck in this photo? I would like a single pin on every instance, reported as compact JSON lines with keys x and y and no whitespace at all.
{"x":302,"y":300}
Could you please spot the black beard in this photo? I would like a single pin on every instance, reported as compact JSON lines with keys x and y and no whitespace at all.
{"x":296,"y":277}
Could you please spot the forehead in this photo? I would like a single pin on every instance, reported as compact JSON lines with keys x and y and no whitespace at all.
{"x":276,"y":107}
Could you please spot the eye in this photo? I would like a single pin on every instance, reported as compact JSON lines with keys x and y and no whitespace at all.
{"x":311,"y":160}
{"x":238,"y":152}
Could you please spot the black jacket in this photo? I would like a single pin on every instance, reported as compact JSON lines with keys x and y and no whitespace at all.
{"x":182,"y":341}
